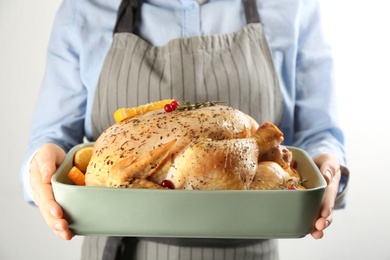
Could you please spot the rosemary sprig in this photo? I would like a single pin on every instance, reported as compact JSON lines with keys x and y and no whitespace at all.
{"x":285,"y":184}
{"x":184,"y":105}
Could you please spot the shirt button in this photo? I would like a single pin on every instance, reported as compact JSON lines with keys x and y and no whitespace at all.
{"x":191,"y":7}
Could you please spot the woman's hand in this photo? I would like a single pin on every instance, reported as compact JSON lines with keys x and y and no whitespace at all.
{"x":330,"y":169}
{"x":42,"y":168}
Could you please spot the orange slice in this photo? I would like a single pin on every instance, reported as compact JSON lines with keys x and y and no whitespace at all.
{"x":126,"y":113}
{"x":77,"y":176}
{"x":82,"y":157}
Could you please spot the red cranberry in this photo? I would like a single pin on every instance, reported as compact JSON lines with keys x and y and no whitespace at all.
{"x":167,"y":184}
{"x":168,"y":108}
{"x":174,"y":104}
{"x":294,"y":164}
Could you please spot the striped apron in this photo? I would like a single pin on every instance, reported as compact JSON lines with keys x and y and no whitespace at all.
{"x":235,"y":68}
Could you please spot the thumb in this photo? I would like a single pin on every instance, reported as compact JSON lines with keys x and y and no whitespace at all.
{"x":328,"y":166}
{"x":49,"y":157}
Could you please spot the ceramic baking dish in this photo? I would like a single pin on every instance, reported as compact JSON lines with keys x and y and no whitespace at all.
{"x":191,"y":214}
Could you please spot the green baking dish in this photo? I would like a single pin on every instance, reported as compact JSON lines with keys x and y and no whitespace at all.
{"x":191,"y":214}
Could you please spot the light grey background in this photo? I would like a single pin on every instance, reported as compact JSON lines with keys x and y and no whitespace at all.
{"x":357,"y":31}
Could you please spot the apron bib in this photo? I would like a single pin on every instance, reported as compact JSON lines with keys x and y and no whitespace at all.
{"x":235,"y":68}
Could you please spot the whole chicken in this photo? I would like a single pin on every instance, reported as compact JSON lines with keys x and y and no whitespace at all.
{"x":209,"y":148}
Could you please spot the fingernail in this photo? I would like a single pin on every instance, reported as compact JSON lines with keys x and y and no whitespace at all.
{"x":53,"y":213}
{"x":61,"y":235}
{"x":57,"y":226}
{"x":327,"y":223}
{"x":328,"y":176}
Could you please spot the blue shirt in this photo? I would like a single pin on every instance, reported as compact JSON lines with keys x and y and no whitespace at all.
{"x":82,"y":34}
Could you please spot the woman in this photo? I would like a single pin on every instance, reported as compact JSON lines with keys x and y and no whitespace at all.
{"x":266,"y":58}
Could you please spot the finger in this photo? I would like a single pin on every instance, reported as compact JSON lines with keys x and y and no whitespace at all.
{"x":47,"y":201}
{"x":327,"y":207}
{"x":65,"y":234}
{"x":330,"y":173}
{"x":53,"y":215}
{"x":326,"y":214}
{"x":322,"y":223}
{"x":330,"y":197}
{"x":42,"y":167}
{"x":328,"y":176}
{"x":43,"y":196}
{"x":60,"y":228}
{"x":317,"y":234}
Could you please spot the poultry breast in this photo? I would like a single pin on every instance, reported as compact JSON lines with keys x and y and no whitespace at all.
{"x":209,"y":148}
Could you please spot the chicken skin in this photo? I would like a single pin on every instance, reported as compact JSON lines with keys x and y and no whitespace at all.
{"x":209,"y":148}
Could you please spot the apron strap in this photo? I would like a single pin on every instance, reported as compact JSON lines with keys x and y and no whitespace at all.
{"x":251,"y":11}
{"x":127,"y":17}
{"x":129,"y":14}
{"x":112,"y":247}
{"x":119,"y":248}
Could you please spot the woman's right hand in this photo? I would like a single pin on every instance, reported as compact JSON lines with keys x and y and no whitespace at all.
{"x":42,"y":168}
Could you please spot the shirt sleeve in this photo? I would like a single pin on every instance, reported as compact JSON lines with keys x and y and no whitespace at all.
{"x":316,"y":123}
{"x":317,"y":129}
{"x":60,"y":109}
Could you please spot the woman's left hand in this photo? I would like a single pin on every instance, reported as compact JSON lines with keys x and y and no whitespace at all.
{"x":330,"y":169}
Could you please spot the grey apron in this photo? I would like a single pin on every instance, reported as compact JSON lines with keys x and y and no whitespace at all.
{"x":235,"y":68}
